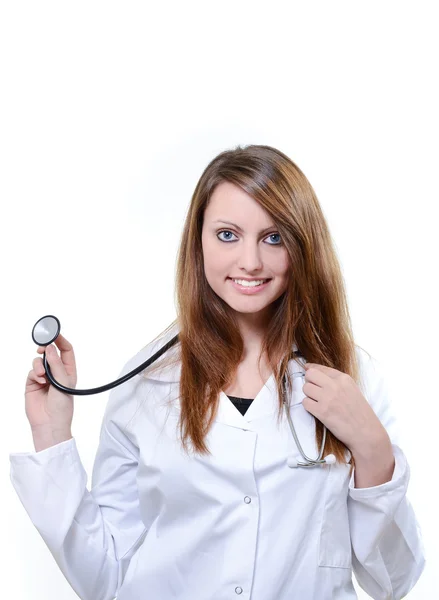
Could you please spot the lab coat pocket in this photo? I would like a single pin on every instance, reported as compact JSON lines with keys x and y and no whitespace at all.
{"x":335,"y":540}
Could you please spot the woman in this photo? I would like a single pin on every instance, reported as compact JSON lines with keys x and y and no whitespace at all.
{"x":194,"y":492}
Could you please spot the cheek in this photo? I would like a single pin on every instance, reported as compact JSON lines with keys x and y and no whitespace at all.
{"x":281,"y":267}
{"x":214,"y":263}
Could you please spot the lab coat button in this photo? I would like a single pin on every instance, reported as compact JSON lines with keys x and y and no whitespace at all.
{"x":247,"y":500}
{"x":238,"y":590}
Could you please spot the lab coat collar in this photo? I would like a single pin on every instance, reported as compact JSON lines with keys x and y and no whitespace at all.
{"x":265,"y":403}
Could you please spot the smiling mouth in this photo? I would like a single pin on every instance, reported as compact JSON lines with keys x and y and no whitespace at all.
{"x":250,"y":280}
{"x":250,"y":285}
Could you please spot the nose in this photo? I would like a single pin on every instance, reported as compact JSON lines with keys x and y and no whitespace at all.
{"x":249,"y":258}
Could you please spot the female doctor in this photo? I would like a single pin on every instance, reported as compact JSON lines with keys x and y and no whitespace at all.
{"x":200,"y":489}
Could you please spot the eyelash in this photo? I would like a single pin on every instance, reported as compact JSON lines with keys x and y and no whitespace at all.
{"x":229,"y":241}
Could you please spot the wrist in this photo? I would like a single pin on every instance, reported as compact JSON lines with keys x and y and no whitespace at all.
{"x":47,"y":436}
{"x":374,"y":465}
{"x":375,"y":444}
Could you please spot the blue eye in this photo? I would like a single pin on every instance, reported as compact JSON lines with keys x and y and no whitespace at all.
{"x":230,"y":240}
{"x":274,"y":235}
{"x":225,"y":231}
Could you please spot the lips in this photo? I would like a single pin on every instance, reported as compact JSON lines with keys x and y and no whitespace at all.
{"x":249,"y":290}
{"x":254,"y":279}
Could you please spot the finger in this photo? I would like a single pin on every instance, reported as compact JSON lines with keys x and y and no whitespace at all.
{"x":324,"y":369}
{"x":38,"y":366}
{"x":34,"y":378}
{"x":55,"y":362}
{"x":311,"y":406}
{"x":66,"y":350}
{"x":65,"y":347}
{"x":63,"y":344}
{"x":314,"y":392}
{"x":316,"y":376}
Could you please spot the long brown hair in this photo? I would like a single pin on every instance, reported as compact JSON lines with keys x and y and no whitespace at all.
{"x":312,"y":312}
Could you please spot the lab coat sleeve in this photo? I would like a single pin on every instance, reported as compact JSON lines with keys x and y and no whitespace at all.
{"x":388,"y":553}
{"x":92,"y":535}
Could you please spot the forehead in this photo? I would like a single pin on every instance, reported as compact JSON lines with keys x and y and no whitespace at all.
{"x":228,"y":200}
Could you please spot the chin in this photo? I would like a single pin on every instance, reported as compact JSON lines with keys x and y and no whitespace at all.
{"x":248,"y":305}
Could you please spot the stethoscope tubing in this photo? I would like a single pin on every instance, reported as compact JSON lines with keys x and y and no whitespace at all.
{"x":103,"y":388}
{"x":310,"y":462}
{"x":113,"y":384}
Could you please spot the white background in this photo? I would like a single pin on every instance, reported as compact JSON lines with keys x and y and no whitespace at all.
{"x":110,"y":112}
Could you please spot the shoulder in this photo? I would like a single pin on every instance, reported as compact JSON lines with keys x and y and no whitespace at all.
{"x":371,"y":372}
{"x":124,"y":399}
{"x":152,"y":348}
{"x":148,"y":352}
{"x":370,"y":369}
{"x":373,"y":379}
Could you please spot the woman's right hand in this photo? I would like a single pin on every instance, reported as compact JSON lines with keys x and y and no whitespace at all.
{"x":47,"y":409}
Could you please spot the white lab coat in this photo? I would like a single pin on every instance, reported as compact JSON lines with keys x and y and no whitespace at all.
{"x":158,"y":524}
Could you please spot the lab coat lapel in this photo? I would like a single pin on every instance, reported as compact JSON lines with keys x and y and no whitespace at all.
{"x":265,"y":403}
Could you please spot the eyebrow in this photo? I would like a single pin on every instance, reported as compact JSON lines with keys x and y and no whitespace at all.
{"x":239,"y":228}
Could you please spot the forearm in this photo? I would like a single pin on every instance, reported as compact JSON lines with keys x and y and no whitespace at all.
{"x":388,"y":555}
{"x":52,"y":488}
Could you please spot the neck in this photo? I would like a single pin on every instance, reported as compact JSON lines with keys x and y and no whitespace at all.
{"x":252,"y":336}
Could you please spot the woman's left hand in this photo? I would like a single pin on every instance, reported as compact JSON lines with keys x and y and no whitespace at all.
{"x":336,"y":400}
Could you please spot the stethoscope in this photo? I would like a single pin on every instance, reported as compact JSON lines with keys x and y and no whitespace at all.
{"x":46,"y":330}
{"x":292,"y":460}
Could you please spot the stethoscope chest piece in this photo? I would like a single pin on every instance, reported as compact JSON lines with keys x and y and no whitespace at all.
{"x":46,"y":330}
{"x":293,"y":462}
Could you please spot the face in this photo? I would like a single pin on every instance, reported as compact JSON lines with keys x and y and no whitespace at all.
{"x":250,"y":248}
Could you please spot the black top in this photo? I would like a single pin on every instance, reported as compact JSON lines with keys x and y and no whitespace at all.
{"x":241,"y":404}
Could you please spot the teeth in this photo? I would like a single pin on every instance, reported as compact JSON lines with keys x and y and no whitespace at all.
{"x":250,"y":283}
